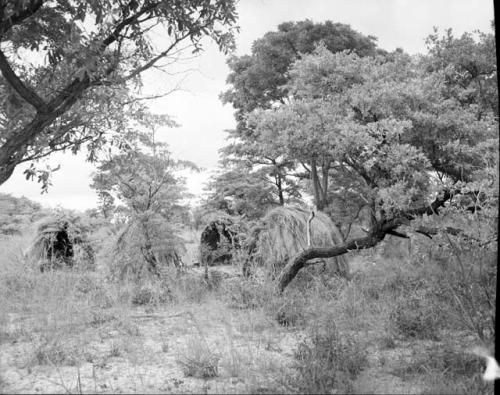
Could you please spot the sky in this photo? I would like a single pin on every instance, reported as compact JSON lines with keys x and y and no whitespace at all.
{"x":196,"y":106}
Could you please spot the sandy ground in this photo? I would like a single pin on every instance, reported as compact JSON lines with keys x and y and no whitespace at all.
{"x":146,"y":361}
{"x":139,"y":352}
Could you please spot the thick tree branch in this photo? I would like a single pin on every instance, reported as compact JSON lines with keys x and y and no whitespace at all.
{"x":24,"y":91}
{"x":376,"y":235}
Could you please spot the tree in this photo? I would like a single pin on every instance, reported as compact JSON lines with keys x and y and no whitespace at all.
{"x":240,"y":191}
{"x":17,"y":213}
{"x":367,"y":116}
{"x":84,"y":59}
{"x":259,"y":81}
{"x":142,"y":179}
{"x":271,"y":165}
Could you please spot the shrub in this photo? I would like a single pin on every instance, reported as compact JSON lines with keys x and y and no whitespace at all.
{"x":186,"y":287}
{"x":290,"y":309}
{"x":53,"y":351}
{"x":325,"y":363}
{"x":466,"y":280}
{"x":442,"y":359}
{"x":245,"y":294}
{"x":198,"y":360}
{"x":151,"y":293}
{"x":447,"y":371}
{"x":414,"y":316}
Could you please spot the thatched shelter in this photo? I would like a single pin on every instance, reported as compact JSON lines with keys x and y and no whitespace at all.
{"x":60,"y":241}
{"x":145,"y":246}
{"x":283,"y":234}
{"x":218,"y":241}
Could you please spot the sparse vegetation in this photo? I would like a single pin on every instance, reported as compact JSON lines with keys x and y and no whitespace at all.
{"x":326,"y":363}
{"x":197,"y":359}
{"x":347,"y":244}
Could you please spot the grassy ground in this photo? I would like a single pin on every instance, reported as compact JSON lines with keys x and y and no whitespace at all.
{"x":382,"y":332}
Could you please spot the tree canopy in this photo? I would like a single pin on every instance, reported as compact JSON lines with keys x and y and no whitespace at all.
{"x":405,"y":136}
{"x":260,"y":81}
{"x":139,"y":182}
{"x":69,"y":68}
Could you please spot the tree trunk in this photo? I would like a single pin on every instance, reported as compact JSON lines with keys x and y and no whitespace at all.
{"x":325,"y":170}
{"x":279,"y":184}
{"x":316,"y":186}
{"x":320,"y":184}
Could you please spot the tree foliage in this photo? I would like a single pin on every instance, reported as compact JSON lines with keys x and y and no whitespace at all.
{"x":260,"y":81}
{"x":140,"y":183}
{"x":68,"y":67}
{"x":391,"y":124}
{"x":397,"y":137}
{"x":16,"y":214}
{"x":240,"y":191}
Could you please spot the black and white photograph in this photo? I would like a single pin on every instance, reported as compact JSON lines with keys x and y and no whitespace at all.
{"x":248,"y":197}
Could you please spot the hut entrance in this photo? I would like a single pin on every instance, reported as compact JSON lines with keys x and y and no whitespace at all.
{"x":59,"y":247}
{"x":217,"y":242}
{"x":60,"y":242}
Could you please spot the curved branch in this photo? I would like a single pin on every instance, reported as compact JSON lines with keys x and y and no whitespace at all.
{"x":376,"y":235}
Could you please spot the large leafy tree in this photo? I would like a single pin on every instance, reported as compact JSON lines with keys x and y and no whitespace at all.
{"x":67,"y":65}
{"x":260,"y":81}
{"x":400,"y":129}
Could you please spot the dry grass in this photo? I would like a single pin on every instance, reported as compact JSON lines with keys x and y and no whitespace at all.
{"x":236,"y":336}
{"x":197,"y":358}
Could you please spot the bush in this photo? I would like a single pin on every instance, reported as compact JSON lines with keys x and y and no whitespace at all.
{"x":447,"y":371}
{"x":445,"y":360}
{"x":415,"y":317}
{"x":245,"y":294}
{"x":466,"y":280}
{"x":325,"y":363}
{"x":198,"y":360}
{"x":290,"y":309}
{"x":53,"y":351}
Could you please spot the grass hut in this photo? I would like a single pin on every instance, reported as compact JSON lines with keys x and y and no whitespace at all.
{"x":283,"y":235}
{"x":60,"y":241}
{"x":218,"y":241}
{"x":142,"y":248}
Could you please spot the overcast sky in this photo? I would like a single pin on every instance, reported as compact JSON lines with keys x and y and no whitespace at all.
{"x":197,"y":108}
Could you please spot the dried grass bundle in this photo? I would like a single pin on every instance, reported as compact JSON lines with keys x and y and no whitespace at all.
{"x":60,"y":240}
{"x":128,"y":255}
{"x":284,"y":234}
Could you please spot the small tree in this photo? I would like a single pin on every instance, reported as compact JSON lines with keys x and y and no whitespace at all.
{"x":142,"y":179}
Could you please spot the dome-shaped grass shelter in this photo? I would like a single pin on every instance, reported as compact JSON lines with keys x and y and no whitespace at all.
{"x":218,"y":241}
{"x":144,"y":247}
{"x":283,"y":234}
{"x":60,"y":241}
